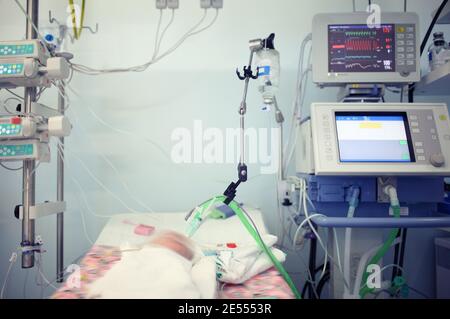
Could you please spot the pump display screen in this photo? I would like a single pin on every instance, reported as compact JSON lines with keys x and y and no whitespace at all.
{"x":374,"y":137}
{"x":358,"y":48}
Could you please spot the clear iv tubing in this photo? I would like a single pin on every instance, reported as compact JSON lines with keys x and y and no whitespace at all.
{"x":110,"y":164}
{"x":348,"y":236}
{"x":83,"y":220}
{"x":121,"y":131}
{"x":100,"y":183}
{"x":297,"y":112}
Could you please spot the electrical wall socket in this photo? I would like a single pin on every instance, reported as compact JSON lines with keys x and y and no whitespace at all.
{"x":218,"y":4}
{"x":161,"y":4}
{"x":173,"y":4}
{"x":205,"y":4}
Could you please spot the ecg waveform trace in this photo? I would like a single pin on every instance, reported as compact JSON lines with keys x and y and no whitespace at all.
{"x":362,"y":45}
{"x":356,"y":48}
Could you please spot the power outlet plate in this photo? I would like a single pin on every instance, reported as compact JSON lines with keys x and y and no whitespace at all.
{"x":217,"y":4}
{"x":161,"y":4}
{"x":205,"y":4}
{"x":173,"y":4}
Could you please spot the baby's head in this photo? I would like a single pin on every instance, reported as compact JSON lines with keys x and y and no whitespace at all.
{"x":175,"y":242}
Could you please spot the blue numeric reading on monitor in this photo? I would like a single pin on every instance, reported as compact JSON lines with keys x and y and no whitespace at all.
{"x":374,"y":137}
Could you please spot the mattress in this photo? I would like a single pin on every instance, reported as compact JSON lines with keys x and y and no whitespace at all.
{"x":125,"y":230}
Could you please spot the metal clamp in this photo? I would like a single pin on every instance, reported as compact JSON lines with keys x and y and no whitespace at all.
{"x":248,"y":73}
{"x":42,"y":210}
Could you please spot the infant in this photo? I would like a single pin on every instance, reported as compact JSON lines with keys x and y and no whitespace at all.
{"x":169,"y":266}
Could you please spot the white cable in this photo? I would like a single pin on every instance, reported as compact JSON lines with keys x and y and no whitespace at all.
{"x":157,"y":34}
{"x":301,"y":183}
{"x":30,"y":21}
{"x":297,"y":115}
{"x":83,"y":221}
{"x":302,"y":224}
{"x":101,"y":184}
{"x":187,"y":35}
{"x":158,"y":42}
{"x":208,"y":26}
{"x":62,"y":94}
{"x":12,"y":261}
{"x":116,"y":171}
{"x":84,"y":196}
{"x":121,"y":131}
{"x":319,"y":239}
{"x":140,"y":68}
{"x":49,"y":284}
{"x":299,"y":96}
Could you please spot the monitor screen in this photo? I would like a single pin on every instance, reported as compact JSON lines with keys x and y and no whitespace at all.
{"x":358,"y":48}
{"x":374,"y":137}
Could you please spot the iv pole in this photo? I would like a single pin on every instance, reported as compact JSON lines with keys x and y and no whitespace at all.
{"x":29,"y":169}
{"x":60,"y":194}
{"x":230,"y":192}
{"x":29,"y":166}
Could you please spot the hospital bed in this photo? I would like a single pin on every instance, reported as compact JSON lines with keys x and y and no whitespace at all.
{"x":129,"y":230}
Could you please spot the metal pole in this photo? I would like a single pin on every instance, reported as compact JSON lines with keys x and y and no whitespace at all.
{"x":60,"y":195}
{"x":29,"y":166}
{"x":279,"y":118}
{"x":242,"y":111}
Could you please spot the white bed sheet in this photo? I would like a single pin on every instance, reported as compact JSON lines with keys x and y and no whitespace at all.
{"x":118,"y":232}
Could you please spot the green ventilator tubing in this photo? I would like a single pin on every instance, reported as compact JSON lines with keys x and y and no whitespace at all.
{"x":252,"y":231}
{"x":379,"y":255}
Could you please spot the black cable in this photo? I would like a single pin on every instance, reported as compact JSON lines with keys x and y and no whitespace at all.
{"x":419,"y":292}
{"x":424,"y":43}
{"x":308,"y":287}
{"x":396,"y":257}
{"x":431,"y":27}
{"x":319,"y":268}
{"x":322,"y":283}
{"x":312,"y":265}
{"x":402,"y":251}
{"x":10,"y":168}
{"x":16,"y":95}
{"x":305,"y":287}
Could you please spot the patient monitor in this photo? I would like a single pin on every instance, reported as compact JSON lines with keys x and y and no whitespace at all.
{"x":375,"y":139}
{"x":348,"y":48}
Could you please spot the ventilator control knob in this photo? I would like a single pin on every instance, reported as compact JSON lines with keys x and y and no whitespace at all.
{"x":437,"y":160}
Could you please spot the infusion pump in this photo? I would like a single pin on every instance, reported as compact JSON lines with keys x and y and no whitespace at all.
{"x":375,"y":140}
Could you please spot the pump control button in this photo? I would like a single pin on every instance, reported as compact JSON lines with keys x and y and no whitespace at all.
{"x":437,"y":160}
